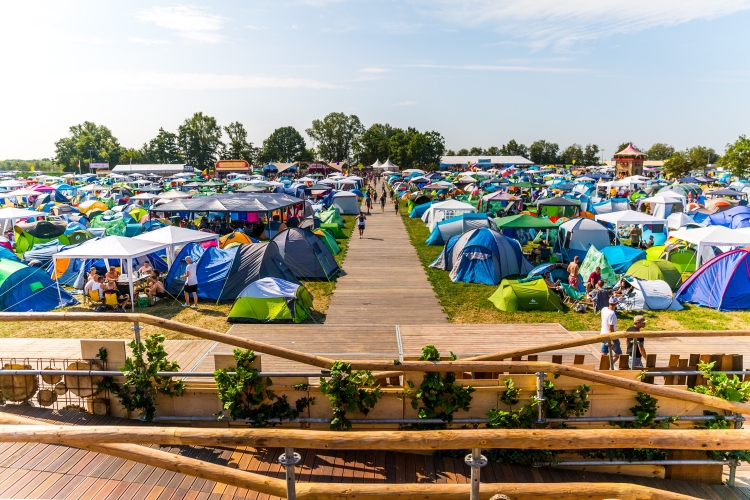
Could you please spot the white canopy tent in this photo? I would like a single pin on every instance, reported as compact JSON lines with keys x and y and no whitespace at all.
{"x":712,"y":236}
{"x":112,"y":247}
{"x":14,"y":214}
{"x":445,"y":210}
{"x":173,"y":236}
{"x":626,"y":217}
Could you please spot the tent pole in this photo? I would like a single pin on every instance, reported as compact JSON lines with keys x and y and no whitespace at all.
{"x":54,"y":267}
{"x":132,"y":298}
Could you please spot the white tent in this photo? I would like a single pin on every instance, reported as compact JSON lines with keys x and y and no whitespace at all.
{"x":174,"y":236}
{"x":662,"y":206}
{"x":650,"y":295}
{"x":445,"y":210}
{"x":377,"y":164}
{"x":113,"y":247}
{"x":346,"y":202}
{"x":712,"y":236}
{"x":627,"y":217}
{"x":143,"y":196}
{"x":13,"y":215}
{"x":678,"y":220}
{"x":389,"y":165}
{"x":173,"y":195}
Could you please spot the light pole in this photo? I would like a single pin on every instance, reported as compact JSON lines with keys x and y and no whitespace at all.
{"x":89,"y":160}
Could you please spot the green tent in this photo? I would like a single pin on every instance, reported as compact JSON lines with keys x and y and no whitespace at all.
{"x":271,"y":300}
{"x":335,"y":230}
{"x":594,"y":258}
{"x":524,"y":221}
{"x":33,"y":233}
{"x":331,"y":216}
{"x":79,"y":236}
{"x":112,"y":226}
{"x":656,"y":270}
{"x":328,"y":240}
{"x":654,"y":253}
{"x":684,"y":259}
{"x":533,"y":295}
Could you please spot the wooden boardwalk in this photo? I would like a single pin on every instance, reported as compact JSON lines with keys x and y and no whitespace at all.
{"x":384,"y":282}
{"x":44,"y":471}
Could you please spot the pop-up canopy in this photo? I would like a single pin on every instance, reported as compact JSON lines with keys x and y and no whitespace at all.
{"x":172,"y":236}
{"x":113,"y":247}
{"x":712,"y":236}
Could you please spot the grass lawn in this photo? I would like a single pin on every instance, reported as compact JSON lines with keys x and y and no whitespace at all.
{"x":467,"y":302}
{"x":210,"y":315}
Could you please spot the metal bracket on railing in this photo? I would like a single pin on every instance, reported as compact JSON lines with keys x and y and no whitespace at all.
{"x":540,"y":396}
{"x":289,"y":459}
{"x":476,"y":461}
{"x":137,"y":331}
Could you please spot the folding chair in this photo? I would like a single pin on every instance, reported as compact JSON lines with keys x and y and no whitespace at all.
{"x":94,"y":297}
{"x":110,"y":300}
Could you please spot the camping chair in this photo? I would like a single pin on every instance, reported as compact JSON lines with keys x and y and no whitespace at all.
{"x":94,"y":297}
{"x":627,"y":301}
{"x":110,"y":300}
{"x":571,"y":294}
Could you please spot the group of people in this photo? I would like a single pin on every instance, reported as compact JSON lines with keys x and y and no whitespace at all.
{"x":98,"y":287}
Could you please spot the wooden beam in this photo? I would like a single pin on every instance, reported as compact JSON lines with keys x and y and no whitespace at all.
{"x":532,"y":439}
{"x":162,"y":459}
{"x":516,"y":491}
{"x":195,"y":331}
{"x":595,"y":339}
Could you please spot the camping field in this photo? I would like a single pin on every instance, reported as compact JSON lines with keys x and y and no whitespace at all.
{"x":210,"y":315}
{"x":467,"y":302}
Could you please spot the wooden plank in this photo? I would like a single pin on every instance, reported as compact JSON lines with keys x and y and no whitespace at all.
{"x":674,"y":361}
{"x":693,"y":361}
{"x":682,"y":379}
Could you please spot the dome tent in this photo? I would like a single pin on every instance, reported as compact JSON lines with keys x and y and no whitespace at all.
{"x":346,"y":202}
{"x":33,"y":233}
{"x":621,"y":257}
{"x":271,"y":300}
{"x":305,"y":254}
{"x":575,"y":236}
{"x":445,"y":229}
{"x":328,"y":240}
{"x":29,"y":289}
{"x":656,"y":270}
{"x":534,"y":295}
{"x":722,"y":283}
{"x":482,"y":256}
{"x":595,"y":258}
{"x":650,"y":295}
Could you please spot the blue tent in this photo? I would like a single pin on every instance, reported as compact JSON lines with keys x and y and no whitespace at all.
{"x":482,"y":256}
{"x":29,"y":289}
{"x":722,"y":283}
{"x":446,"y":229}
{"x":609,"y":206}
{"x":223,"y":274}
{"x":419,"y":210}
{"x":622,"y":257}
{"x":734,"y":218}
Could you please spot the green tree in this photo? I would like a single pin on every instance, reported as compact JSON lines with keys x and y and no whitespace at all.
{"x":463,"y":152}
{"x":450,"y":152}
{"x":475,"y":151}
{"x":542,"y":152}
{"x":493,"y":151}
{"x":164,"y":148}
{"x":737,"y":157}
{"x":238,"y":147}
{"x":134,"y":156}
{"x":660,"y":151}
{"x":335,"y":135}
{"x":572,"y":155}
{"x":413,"y":149}
{"x":284,"y":144}
{"x":591,"y":155}
{"x":701,"y":156}
{"x":87,"y":140}
{"x":200,"y":141}
{"x":678,"y":165}
{"x":514,"y":149}
{"x":372,"y":145}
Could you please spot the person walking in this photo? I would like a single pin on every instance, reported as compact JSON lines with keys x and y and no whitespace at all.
{"x":191,"y":283}
{"x":636,"y":355}
{"x":368,"y":203}
{"x":382,"y":203}
{"x":361,"y":224}
{"x":395,"y":203}
{"x":609,"y":325}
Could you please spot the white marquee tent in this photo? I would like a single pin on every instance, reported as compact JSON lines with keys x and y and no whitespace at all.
{"x":712,"y":236}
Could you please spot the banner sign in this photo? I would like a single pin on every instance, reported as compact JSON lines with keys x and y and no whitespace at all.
{"x":232,"y":165}
{"x":98,"y":165}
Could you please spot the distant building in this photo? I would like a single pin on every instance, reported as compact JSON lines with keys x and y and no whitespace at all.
{"x":629,"y":162}
{"x":164,"y":169}
{"x":482,"y":161}
{"x":224,"y":167}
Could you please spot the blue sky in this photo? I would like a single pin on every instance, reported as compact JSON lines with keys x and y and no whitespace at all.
{"x":481,"y":72}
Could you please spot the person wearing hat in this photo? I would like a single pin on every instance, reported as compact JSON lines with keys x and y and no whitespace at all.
{"x":609,"y":325}
{"x":636,"y":355}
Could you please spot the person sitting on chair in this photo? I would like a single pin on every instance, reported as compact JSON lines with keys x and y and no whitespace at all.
{"x":123,"y":301}
{"x":594,"y":278}
{"x":146,"y":268}
{"x":553,"y":285}
{"x":156,"y":290}
{"x":112,"y":274}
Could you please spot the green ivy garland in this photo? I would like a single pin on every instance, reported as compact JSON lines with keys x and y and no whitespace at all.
{"x":245,"y":395}
{"x":348,"y":393}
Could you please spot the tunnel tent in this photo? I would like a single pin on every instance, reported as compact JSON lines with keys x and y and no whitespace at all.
{"x":29,"y":289}
{"x":235,"y":237}
{"x":650,"y":295}
{"x":335,"y":230}
{"x":305,"y":254}
{"x":331,"y":215}
{"x":532,"y":295}
{"x":558,"y":207}
{"x":30,"y":234}
{"x":419,"y":210}
{"x":271,"y":300}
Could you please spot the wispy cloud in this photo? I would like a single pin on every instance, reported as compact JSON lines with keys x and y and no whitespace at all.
{"x":201,"y":81}
{"x":561,"y":23}
{"x":148,"y":41}
{"x":256,"y":28}
{"x":187,"y":21}
{"x":373,"y":70}
{"x":490,"y":67}
{"x":406,"y":103}
{"x":400,"y":27}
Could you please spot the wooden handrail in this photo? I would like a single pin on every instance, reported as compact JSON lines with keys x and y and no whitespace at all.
{"x":469,"y":364}
{"x":530,"y":439}
{"x":167,"y":461}
{"x":596,"y":338}
{"x":516,"y":491}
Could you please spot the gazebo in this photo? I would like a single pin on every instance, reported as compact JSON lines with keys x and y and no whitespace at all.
{"x":629,"y":162}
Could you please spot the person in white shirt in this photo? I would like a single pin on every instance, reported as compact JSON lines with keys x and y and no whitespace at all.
{"x":98,"y":286}
{"x":609,"y":325}
{"x":191,"y":283}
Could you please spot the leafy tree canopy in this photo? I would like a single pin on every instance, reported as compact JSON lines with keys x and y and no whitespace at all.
{"x":87,"y":140}
{"x":199,"y":139}
{"x":238,"y":147}
{"x":737,"y":157}
{"x":372,"y":145}
{"x":335,"y":135}
{"x":164,"y":148}
{"x":660,"y":151}
{"x":284,"y":144}
{"x":514,"y":149}
{"x":543,"y":153}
